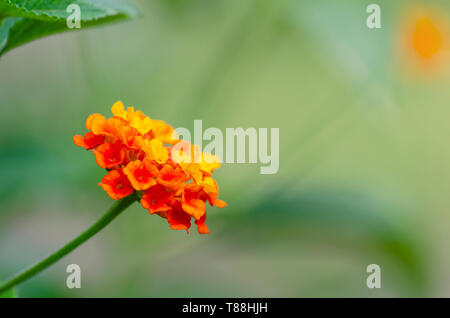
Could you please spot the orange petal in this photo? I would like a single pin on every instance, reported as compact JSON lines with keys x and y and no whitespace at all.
{"x":89,"y":141}
{"x":179,"y":220}
{"x":219,"y":203}
{"x":109,"y":155}
{"x":141,"y":174}
{"x":157,"y":199}
{"x":171,"y":178}
{"x":116,"y":185}
{"x":195,"y":207}
{"x":201,"y":226}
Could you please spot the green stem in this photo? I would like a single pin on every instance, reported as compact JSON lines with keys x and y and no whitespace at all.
{"x":118,"y":207}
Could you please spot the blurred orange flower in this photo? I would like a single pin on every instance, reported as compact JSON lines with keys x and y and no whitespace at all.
{"x":425,"y":38}
{"x":136,"y":151}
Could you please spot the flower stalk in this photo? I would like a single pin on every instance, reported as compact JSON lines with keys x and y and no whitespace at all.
{"x":118,"y":207}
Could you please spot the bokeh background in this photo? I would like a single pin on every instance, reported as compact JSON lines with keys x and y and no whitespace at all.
{"x":364,"y":172}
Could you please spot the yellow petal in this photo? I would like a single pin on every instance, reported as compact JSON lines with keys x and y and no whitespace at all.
{"x":155,"y":150}
{"x":118,"y":110}
{"x":142,"y":125}
{"x":208,"y":184}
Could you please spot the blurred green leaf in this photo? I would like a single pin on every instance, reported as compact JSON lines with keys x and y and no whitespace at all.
{"x":23,"y":21}
{"x":11,"y":293}
{"x":351,"y":220}
{"x":26,"y":163}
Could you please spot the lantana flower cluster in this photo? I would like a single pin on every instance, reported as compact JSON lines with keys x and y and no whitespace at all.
{"x":139,"y":156}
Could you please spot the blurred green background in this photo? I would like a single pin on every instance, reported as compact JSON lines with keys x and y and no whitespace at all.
{"x":364,"y":154}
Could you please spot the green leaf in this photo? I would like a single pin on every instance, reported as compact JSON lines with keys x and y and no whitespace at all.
{"x":23,"y":21}
{"x":6,"y":25}
{"x":11,"y":293}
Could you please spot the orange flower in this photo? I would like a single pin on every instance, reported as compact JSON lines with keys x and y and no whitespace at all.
{"x":99,"y":125}
{"x":116,"y":184}
{"x":192,"y":204}
{"x":157,"y":199}
{"x":178,"y":220}
{"x":90,"y":141}
{"x":155,"y":150}
{"x":109,"y":155}
{"x":163,"y":132}
{"x":136,"y":120}
{"x":138,"y":150}
{"x":211,"y":191}
{"x":141,"y":174}
{"x":171,"y":178}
